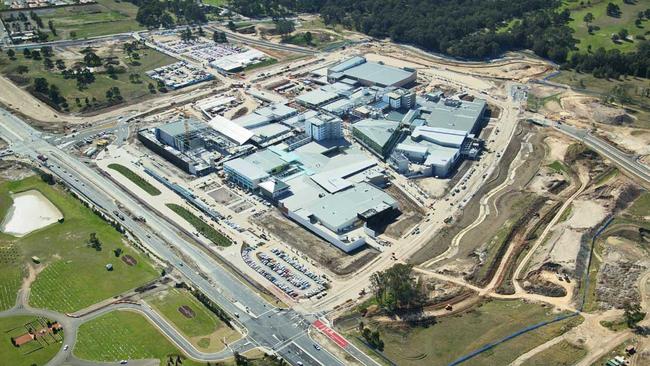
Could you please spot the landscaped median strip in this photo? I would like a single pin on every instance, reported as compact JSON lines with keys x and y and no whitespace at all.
{"x":136,"y":179}
{"x":201,"y":226}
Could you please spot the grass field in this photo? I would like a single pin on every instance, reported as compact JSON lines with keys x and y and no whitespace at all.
{"x":607,"y":25}
{"x":135,"y":178}
{"x":74,"y":276}
{"x":206,"y":230}
{"x":34,"y":353}
{"x":11,"y":272}
{"x":560,"y":354}
{"x":214,"y":2}
{"x":452,"y":337}
{"x":123,"y":335}
{"x":149,"y":59}
{"x":559,"y":167}
{"x":641,"y":206}
{"x":83,"y":21}
{"x":268,"y":62}
{"x":535,"y":103}
{"x":204,"y":329}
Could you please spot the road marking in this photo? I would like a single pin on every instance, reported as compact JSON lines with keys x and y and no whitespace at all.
{"x":330,"y":333}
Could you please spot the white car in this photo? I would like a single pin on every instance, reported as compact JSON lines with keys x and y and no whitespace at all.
{"x":65,"y":348}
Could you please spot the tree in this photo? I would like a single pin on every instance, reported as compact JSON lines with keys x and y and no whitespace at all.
{"x":284,"y":27}
{"x":240,"y":360}
{"x":231,"y":25}
{"x":201,"y":32}
{"x":36,"y":55}
{"x":47,"y":63}
{"x":73,"y":34}
{"x":118,"y":252}
{"x":633,"y":314}
{"x":48,"y":178}
{"x":613,"y":10}
{"x":588,"y":18}
{"x":186,"y":35}
{"x":47,"y":51}
{"x":94,"y":242}
{"x":50,"y":25}
{"x":22,"y":69}
{"x":219,"y":37}
{"x":27,"y":53}
{"x":396,"y":287}
{"x":41,"y":85}
{"x":623,"y":33}
{"x":308,"y":37}
{"x":60,"y":64}
{"x":92,"y":60}
{"x":11,"y":53}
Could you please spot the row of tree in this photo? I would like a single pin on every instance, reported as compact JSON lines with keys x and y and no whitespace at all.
{"x":472,"y":29}
{"x":155,"y":13}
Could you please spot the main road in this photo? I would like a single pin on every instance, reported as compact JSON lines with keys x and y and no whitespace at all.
{"x":624,"y":161}
{"x":282,"y":331}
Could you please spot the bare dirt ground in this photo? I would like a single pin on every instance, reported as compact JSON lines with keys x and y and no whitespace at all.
{"x":411,"y":215}
{"x":316,"y":248}
{"x":518,"y":67}
{"x":13,"y":170}
{"x":502,"y":204}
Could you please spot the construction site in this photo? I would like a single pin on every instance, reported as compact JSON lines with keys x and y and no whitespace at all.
{"x":310,"y":175}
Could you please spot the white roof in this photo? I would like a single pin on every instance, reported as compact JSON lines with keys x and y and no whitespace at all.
{"x":230,"y":129}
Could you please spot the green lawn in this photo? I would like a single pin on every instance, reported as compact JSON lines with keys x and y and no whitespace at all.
{"x":214,"y":2}
{"x":453,"y":337}
{"x":268,"y":62}
{"x":559,"y":167}
{"x":206,"y":230}
{"x":135,"y":178}
{"x":11,"y":272}
{"x":149,"y":59}
{"x":105,"y":17}
{"x":319,"y":39}
{"x":75,"y":275}
{"x":641,"y":206}
{"x":204,"y":329}
{"x":608,"y":25}
{"x":535,"y":103}
{"x":560,"y":354}
{"x":37,"y":352}
{"x":123,"y":335}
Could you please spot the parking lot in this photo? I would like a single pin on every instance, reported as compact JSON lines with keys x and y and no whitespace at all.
{"x":286,"y":273}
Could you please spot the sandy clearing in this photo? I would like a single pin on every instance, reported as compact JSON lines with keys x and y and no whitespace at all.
{"x":579,"y":220}
{"x":630,"y":139}
{"x":556,"y":148}
{"x":30,"y":211}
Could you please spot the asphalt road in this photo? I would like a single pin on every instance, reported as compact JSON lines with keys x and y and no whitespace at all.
{"x":266,"y":326}
{"x":625,"y":161}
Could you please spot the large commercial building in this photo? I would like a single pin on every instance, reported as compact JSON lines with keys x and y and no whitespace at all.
{"x":324,"y":127}
{"x":441,"y":132}
{"x":378,"y":135}
{"x":358,"y":70}
{"x":332,"y":192}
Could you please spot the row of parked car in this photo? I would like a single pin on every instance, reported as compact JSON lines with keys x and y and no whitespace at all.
{"x":283,"y":271}
{"x":299,"y":266}
{"x":246,"y":255}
